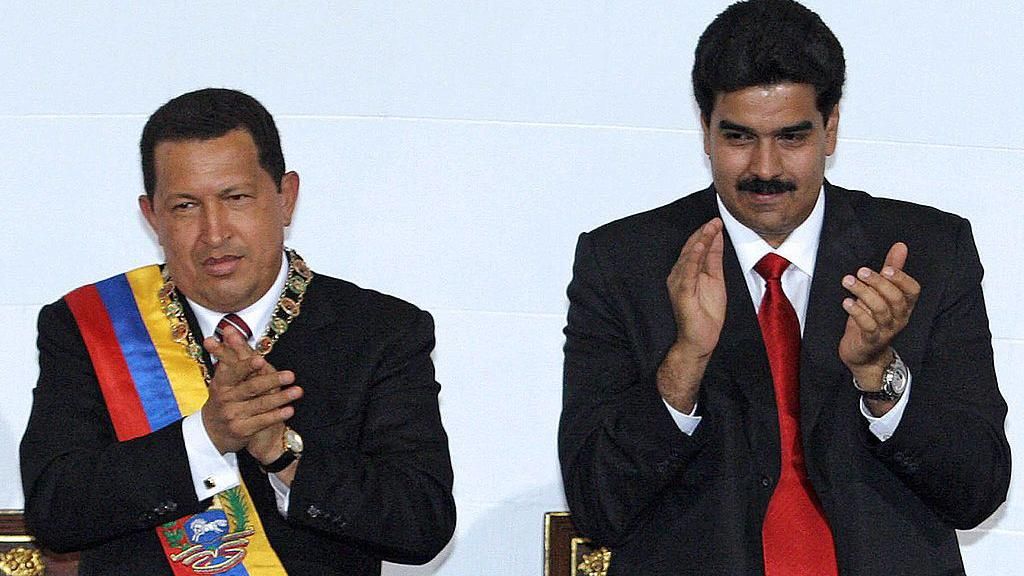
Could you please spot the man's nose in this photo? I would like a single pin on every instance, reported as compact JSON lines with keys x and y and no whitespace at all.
{"x":766,"y":162}
{"x":215,"y":225}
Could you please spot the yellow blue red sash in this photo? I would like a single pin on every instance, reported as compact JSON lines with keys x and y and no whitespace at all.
{"x":149,"y":381}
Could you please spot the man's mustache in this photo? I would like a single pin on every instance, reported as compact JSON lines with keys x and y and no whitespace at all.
{"x":759,"y":186}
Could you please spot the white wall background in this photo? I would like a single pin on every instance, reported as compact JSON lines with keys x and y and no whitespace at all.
{"x":450,"y":153}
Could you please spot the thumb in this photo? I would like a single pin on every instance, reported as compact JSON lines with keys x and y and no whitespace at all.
{"x":897,"y":256}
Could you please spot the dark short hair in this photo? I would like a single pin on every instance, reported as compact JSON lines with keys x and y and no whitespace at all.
{"x":764,"y":42}
{"x":206,"y":114}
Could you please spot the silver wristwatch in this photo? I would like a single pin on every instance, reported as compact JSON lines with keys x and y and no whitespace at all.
{"x":894,"y":382}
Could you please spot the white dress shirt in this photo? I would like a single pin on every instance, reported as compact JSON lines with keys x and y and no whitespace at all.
{"x":213,"y":472}
{"x":801,"y":249}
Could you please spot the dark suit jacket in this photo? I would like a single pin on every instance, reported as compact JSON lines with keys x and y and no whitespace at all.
{"x":374,"y":481}
{"x":668,"y":503}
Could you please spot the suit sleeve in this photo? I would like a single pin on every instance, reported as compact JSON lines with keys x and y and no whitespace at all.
{"x":82,"y":486}
{"x":391,"y":493}
{"x":618,"y":445}
{"x":950,"y":447}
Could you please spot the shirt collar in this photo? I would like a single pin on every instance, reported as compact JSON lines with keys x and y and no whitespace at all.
{"x":256,"y":315}
{"x":800,"y":247}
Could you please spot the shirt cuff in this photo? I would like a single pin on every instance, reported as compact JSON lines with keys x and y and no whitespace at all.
{"x":687,"y":423}
{"x":212,"y":472}
{"x":281,"y":493}
{"x":883,"y":427}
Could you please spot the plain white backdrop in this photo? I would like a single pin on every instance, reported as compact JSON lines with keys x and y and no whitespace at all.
{"x":451,"y":152}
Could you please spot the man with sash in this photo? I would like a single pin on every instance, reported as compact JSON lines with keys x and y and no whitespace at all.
{"x":231,"y":411}
{"x":776,"y":375}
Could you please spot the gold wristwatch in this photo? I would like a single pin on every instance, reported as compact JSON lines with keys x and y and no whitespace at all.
{"x":292,"y":444}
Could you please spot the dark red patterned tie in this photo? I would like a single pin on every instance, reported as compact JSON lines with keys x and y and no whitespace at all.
{"x":234,"y":321}
{"x":797,"y":539}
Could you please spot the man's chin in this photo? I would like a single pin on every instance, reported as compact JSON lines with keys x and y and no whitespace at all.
{"x":222,"y":298}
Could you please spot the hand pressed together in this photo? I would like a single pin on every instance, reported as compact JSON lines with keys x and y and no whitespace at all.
{"x":249,"y":400}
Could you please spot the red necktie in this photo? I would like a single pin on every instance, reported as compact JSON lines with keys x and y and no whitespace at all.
{"x":233,"y":320}
{"x":797,"y":539}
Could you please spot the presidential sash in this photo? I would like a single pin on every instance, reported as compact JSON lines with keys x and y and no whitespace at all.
{"x":148,"y":370}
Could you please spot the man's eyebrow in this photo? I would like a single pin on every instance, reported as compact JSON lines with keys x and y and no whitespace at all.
{"x":726,"y":125}
{"x":798,"y":127}
{"x":180,"y":196}
{"x":233,"y":189}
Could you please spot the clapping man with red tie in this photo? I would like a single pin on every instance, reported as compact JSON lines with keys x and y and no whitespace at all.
{"x":777,"y":375}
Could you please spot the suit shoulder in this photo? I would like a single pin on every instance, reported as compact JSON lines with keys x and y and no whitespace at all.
{"x":932,"y":236}
{"x":649,"y":241}
{"x":349,"y":300}
{"x":56,"y":318}
{"x":900,"y":218}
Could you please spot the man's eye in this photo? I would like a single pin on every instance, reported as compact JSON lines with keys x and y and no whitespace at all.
{"x":737,"y":136}
{"x":181,"y":206}
{"x":237,"y":197}
{"x":794,"y":137}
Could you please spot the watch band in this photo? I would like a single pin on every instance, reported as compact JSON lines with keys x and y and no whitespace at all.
{"x":894,"y":382}
{"x":281,"y":463}
{"x":291,"y":441}
{"x":882,"y":395}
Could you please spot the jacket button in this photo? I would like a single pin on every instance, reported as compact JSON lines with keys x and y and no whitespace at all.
{"x":313,"y":511}
{"x":766,"y":481}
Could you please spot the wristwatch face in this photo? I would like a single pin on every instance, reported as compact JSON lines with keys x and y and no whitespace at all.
{"x":895,"y":377}
{"x":292,"y":441}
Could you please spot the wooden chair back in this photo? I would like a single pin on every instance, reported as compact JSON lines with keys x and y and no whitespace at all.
{"x":566,"y":553}
{"x":19,"y":555}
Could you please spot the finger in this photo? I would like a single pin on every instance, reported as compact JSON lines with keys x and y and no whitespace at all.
{"x":895,"y":262}
{"x":241,"y":351}
{"x":882,"y":296}
{"x":703,"y":237}
{"x":868,"y":297}
{"x":260,"y":422}
{"x":897,"y":256}
{"x":693,"y":256}
{"x":214,"y":347}
{"x":897,"y":287}
{"x":261,"y":384}
{"x":716,"y":250}
{"x":905,"y":283}
{"x":241,"y":426}
{"x":863,"y":318}
{"x":221,"y":350}
{"x":273,"y":400}
{"x":230,"y":372}
{"x":235,"y":342}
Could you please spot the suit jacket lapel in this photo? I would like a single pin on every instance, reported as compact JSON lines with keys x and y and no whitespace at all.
{"x":746,"y":356}
{"x":740,"y":356}
{"x":303,"y":339}
{"x":841,"y":250}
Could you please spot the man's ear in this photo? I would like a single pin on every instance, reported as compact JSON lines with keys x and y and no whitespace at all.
{"x":146,"y":206}
{"x":832,"y":131}
{"x":707,"y":134}
{"x":289,"y":195}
